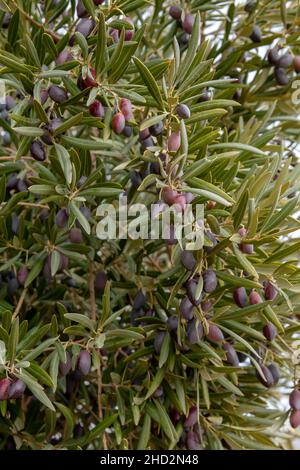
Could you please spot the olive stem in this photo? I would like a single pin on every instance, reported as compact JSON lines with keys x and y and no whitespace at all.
{"x":19,"y":305}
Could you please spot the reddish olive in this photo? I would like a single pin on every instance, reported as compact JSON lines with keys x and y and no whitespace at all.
{"x":294,"y":399}
{"x":188,"y":23}
{"x":17,"y":389}
{"x":214,"y":333}
{"x":118,"y":123}
{"x":175,"y":12}
{"x":96,"y":109}
{"x":270,"y":290}
{"x":174,"y":142}
{"x":22,"y":275}
{"x":255,"y":298}
{"x":240,"y":296}
{"x":295,"y":419}
{"x":65,"y":367}
{"x":231,"y":355}
{"x":192,"y":417}
{"x":297,"y":63}
{"x":4,"y":389}
{"x":84,"y":362}
{"x":126,"y":109}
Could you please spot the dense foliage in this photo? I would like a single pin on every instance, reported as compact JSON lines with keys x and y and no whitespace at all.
{"x":134,"y":344}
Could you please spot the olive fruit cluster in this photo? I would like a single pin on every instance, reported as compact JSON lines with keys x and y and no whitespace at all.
{"x":83,"y":363}
{"x":11,"y":389}
{"x":294,"y":400}
{"x":185,"y":20}
{"x":282,"y":63}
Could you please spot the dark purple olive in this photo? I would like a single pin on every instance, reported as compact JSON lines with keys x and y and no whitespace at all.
{"x":126,"y":109}
{"x":10,"y":102}
{"x":206,"y":305}
{"x":174,"y":142}
{"x":268,"y":381}
{"x":100,"y":282}
{"x":61,"y":218}
{"x":295,"y":419}
{"x":144,"y":134}
{"x":255,"y":298}
{"x":127,"y":131}
{"x":44,"y":96}
{"x":147,"y":143}
{"x":269,"y":331}
{"x":158,"y":342}
{"x":240,"y":296}
{"x":63,"y":57}
{"x":12,"y":286}
{"x":210,"y":281}
{"x":78,"y":431}
{"x":231,"y":355}
{"x":297,"y":63}
{"x":169,"y":195}
{"x":37,"y":151}
{"x":84,"y":362}
{"x":65,"y":367}
{"x":75,"y":235}
{"x":140,"y":300}
{"x":188,"y":260}
{"x":22,"y":275}
{"x":49,"y":130}
{"x":281,"y":76}
{"x":183,"y":111}
{"x":96,"y":109}
{"x":85,"y":26}
{"x":17,"y":389}
{"x":255,"y":36}
{"x":275,"y":372}
{"x":188,"y":23}
{"x":184,"y":39}
{"x":192,"y":417}
{"x":186,"y":308}
{"x":285,"y":61}
{"x":21,"y":186}
{"x":192,"y":441}
{"x":6,"y":139}
{"x":157,"y":129}
{"x":174,"y":415}
{"x":194,"y":331}
{"x":4,"y":389}
{"x":270,"y":290}
{"x":118,"y":123}
{"x":175,"y":12}
{"x":12,"y":182}
{"x":294,"y":399}
{"x":172,"y":323}
{"x":57,"y":94}
{"x":81,"y":10}
{"x":191,"y":288}
{"x":214,"y":333}
{"x":136,"y":178}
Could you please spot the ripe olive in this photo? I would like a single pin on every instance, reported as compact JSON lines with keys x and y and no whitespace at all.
{"x":37,"y":151}
{"x":214,"y":333}
{"x":174,"y":142}
{"x":294,"y":399}
{"x":192,"y":417}
{"x":65,"y":367}
{"x":186,"y":308}
{"x":84,"y":362}
{"x":231,"y":355}
{"x":158,"y":342}
{"x":188,"y":260}
{"x":255,"y":36}
{"x":61,"y":218}
{"x":183,"y":111}
{"x":118,"y":123}
{"x":269,"y":331}
{"x":17,"y":389}
{"x":210,"y":281}
{"x":96,"y":109}
{"x":281,"y":76}
{"x":240,"y":296}
{"x":188,"y":23}
{"x":175,"y":12}
{"x":194,"y":331}
{"x":57,"y":94}
{"x":270,"y":290}
{"x":100,"y":282}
